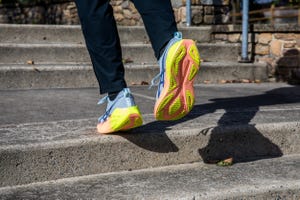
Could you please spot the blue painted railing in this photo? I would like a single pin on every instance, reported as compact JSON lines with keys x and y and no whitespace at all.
{"x":245,"y":25}
{"x":188,"y":13}
{"x":244,"y":57}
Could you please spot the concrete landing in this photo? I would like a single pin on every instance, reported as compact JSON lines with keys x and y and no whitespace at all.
{"x":263,"y":179}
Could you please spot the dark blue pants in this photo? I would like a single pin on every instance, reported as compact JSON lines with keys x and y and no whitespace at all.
{"x":102,"y":39}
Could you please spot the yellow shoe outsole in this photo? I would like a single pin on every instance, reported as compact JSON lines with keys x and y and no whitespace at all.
{"x":121,"y":119}
{"x":177,"y":96}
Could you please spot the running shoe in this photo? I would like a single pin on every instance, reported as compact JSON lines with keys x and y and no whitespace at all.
{"x":121,"y":113}
{"x":179,"y":65}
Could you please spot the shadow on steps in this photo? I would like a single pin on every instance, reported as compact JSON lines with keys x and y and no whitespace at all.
{"x":234,"y":136}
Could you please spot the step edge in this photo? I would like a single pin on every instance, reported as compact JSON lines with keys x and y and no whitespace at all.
{"x":118,"y":139}
{"x":84,"y":65}
{"x":291,"y":184}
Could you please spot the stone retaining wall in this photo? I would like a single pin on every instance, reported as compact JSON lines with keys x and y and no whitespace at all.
{"x":278,"y":45}
{"x":203,"y":12}
{"x":56,"y":13}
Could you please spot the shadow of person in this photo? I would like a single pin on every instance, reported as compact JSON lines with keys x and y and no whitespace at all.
{"x":151,"y":138}
{"x":288,"y":67}
{"x":244,"y":142}
{"x":234,"y":136}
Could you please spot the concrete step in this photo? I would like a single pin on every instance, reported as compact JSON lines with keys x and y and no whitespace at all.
{"x":138,"y":53}
{"x":261,"y":179}
{"x":70,"y":75}
{"x":49,"y":134}
{"x":44,"y":34}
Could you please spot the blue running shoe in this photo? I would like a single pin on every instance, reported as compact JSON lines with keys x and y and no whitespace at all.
{"x":121,"y":114}
{"x":179,"y":65}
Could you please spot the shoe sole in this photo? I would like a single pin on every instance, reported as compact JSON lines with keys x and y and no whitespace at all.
{"x":121,"y":119}
{"x":177,"y":96}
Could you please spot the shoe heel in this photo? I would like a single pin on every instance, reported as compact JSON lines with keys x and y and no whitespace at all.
{"x":134,"y":120}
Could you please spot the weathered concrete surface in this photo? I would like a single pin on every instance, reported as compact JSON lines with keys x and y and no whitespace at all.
{"x":42,"y":34}
{"x":244,"y":121}
{"x":73,"y":75}
{"x":74,"y":148}
{"x":138,"y":53}
{"x":47,"y":76}
{"x":28,"y":106}
{"x":263,"y":179}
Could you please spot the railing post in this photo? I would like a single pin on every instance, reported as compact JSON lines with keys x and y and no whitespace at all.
{"x":244,"y":57}
{"x":272,"y":13}
{"x":188,"y":13}
{"x":298,"y":16}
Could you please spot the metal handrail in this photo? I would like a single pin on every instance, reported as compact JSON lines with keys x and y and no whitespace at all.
{"x":244,"y":57}
{"x":245,"y":25}
{"x":188,"y":13}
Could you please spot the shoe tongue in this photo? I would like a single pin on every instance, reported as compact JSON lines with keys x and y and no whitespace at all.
{"x":122,"y":100}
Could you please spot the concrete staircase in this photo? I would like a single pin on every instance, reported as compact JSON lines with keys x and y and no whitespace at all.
{"x":61,"y":60}
{"x":49,"y":148}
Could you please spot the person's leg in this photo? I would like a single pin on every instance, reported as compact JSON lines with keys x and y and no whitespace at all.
{"x":178,"y":59}
{"x":159,"y":21}
{"x":103,"y":43}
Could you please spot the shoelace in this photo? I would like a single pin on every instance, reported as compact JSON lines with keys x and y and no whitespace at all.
{"x":106,"y":114}
{"x":103,"y":100}
{"x":111,"y":104}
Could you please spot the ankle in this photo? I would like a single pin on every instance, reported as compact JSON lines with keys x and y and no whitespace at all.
{"x":112,"y":95}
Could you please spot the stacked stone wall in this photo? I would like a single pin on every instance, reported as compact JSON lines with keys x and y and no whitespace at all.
{"x":281,"y":50}
{"x":204,"y":12}
{"x":42,"y":13}
{"x":64,"y":12}
{"x":125,"y":13}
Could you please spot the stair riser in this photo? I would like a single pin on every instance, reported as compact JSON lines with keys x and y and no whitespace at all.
{"x":22,"y":165}
{"x":39,"y":34}
{"x":73,"y":34}
{"x":138,"y":54}
{"x":84,"y":76}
